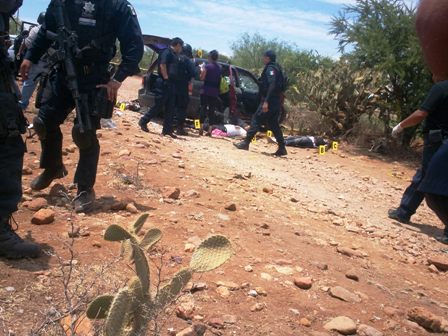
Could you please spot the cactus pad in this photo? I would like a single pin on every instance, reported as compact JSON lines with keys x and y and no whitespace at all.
{"x":116,"y":233}
{"x":127,"y":251}
{"x":99,"y":307}
{"x":212,"y":253}
{"x":117,"y":317}
{"x":173,"y":289}
{"x":141,"y":267}
{"x":150,"y":239}
{"x":135,"y":289}
{"x":139,"y":223}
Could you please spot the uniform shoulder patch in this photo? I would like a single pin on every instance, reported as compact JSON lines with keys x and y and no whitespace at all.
{"x":132,"y":9}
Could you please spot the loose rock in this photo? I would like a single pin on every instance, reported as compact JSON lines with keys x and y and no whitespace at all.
{"x":37,"y":204}
{"x":43,"y":216}
{"x":172,"y":193}
{"x":343,"y":294}
{"x":428,"y":320}
{"x":341,"y":324}
{"x":441,"y":262}
{"x":303,"y":283}
{"x":365,"y":330}
{"x":131,"y":208}
{"x":231,"y":207}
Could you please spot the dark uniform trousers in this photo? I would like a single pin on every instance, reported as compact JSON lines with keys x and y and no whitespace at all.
{"x":412,"y":197}
{"x":270,"y":118}
{"x":167,"y":101}
{"x":182,"y":101}
{"x":11,"y":163}
{"x":209,"y":106}
{"x":56,"y":107}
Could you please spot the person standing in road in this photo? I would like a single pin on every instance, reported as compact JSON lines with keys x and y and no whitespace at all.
{"x":187,"y":72}
{"x":97,"y":24}
{"x":210,"y":101}
{"x":434,"y":115}
{"x":30,"y":84}
{"x":12,"y":148}
{"x":169,"y":72}
{"x":269,"y":111}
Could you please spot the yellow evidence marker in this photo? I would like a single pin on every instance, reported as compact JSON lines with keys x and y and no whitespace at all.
{"x":335,"y":145}
{"x":322,"y":150}
{"x":254,"y":140}
{"x":200,"y":53}
{"x":197,"y":124}
{"x":122,"y":107}
{"x":269,"y":134}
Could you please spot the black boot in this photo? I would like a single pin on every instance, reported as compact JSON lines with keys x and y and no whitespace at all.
{"x":181,"y":131}
{"x":48,"y":175}
{"x":143,"y":125}
{"x":12,"y":246}
{"x":397,"y":214}
{"x":84,"y":201}
{"x":281,"y":151}
{"x":244,"y":145}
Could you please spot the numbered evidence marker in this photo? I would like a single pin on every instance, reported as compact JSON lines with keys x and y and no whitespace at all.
{"x":197,"y":124}
{"x":254,"y":140}
{"x":269,"y":134}
{"x":322,"y":150}
{"x":200,"y":53}
{"x":122,"y":107}
{"x":335,"y":145}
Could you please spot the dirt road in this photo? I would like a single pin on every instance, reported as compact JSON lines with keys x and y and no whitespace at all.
{"x":306,"y":220}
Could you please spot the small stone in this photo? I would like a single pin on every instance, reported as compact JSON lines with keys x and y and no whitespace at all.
{"x":37,"y":204}
{"x":131,"y":208}
{"x":248,"y":268}
{"x":74,"y":233}
{"x":294,"y":311}
{"x":343,"y":294}
{"x":199,"y":286}
{"x":252,"y":293}
{"x":303,"y":283}
{"x":305,"y":322}
{"x":195,"y":330}
{"x":223,"y":217}
{"x":231,"y":207}
{"x":390,"y":311}
{"x":216,"y":323}
{"x":10,"y":289}
{"x":172,"y":193}
{"x":43,"y":216}
{"x":441,"y":262}
{"x":230,"y":319}
{"x":229,"y":285}
{"x":428,"y":320}
{"x":433,"y":269}
{"x":189,"y":248}
{"x":266,"y":276}
{"x":192,"y":194}
{"x":350,"y":252}
{"x":341,"y":324}
{"x":223,"y":292}
{"x":268,"y":190}
{"x":124,"y":152}
{"x":352,"y":275}
{"x":185,"y":310}
{"x":96,"y":244}
{"x":365,"y":330}
{"x":294,"y":200}
{"x":58,"y":190}
{"x":261,"y":291}
{"x":258,"y":307}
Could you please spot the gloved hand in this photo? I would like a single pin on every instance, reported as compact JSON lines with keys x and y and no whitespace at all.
{"x":396,"y":131}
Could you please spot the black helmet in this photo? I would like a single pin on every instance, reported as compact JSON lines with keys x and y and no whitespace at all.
{"x":188,"y":50}
{"x":271,"y":55}
{"x":41,"y":18}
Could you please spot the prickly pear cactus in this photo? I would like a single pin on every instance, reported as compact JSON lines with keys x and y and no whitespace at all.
{"x":129,"y":312}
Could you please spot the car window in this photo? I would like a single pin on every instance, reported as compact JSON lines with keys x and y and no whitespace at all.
{"x":248,"y":83}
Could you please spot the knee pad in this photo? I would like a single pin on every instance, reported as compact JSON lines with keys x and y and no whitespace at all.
{"x":40,"y":128}
{"x":83,"y":140}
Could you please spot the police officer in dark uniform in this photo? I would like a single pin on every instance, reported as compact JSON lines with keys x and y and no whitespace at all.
{"x":271,"y":104}
{"x":12,"y":148}
{"x":168,"y":71}
{"x":435,"y":187}
{"x":434,"y":115}
{"x":98,"y":24}
{"x":187,"y":72}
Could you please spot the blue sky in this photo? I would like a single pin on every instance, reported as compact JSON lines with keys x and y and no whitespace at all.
{"x":216,"y":24}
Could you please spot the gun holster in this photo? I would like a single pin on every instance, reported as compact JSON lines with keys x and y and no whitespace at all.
{"x":435,"y":136}
{"x":103,"y":106}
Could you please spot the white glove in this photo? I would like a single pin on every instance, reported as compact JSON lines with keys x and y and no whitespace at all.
{"x":397,"y":130}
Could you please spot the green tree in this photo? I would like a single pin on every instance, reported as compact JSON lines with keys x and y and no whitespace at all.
{"x":380,"y":35}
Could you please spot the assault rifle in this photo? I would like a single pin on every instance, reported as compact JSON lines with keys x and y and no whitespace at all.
{"x":67,"y":51}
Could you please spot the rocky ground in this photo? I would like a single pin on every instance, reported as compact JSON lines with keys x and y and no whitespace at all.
{"x":315,"y":253}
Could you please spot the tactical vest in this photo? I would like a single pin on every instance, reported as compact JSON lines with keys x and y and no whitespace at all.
{"x":92,"y":21}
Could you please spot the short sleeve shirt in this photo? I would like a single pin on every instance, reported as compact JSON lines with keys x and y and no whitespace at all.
{"x":436,"y":105}
{"x":32,"y":36}
{"x":171,"y":60}
{"x":212,"y":80}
